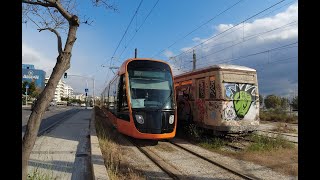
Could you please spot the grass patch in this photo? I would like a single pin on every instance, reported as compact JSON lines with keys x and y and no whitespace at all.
{"x":264,"y":143}
{"x":284,"y":128}
{"x":37,"y":174}
{"x":213,"y":144}
{"x":278,"y":115}
{"x":113,"y":156}
{"x":282,"y":160}
{"x":275,"y":153}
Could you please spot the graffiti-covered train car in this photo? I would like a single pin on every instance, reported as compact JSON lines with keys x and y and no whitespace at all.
{"x":223,"y":98}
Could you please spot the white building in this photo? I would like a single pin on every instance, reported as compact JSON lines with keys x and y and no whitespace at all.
{"x":68,"y":91}
{"x":62,"y":90}
{"x":82,"y":97}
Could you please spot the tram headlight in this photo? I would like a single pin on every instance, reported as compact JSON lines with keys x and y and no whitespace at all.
{"x":139,"y":119}
{"x":171,"y":119}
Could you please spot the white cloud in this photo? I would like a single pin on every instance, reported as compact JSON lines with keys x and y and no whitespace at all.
{"x":40,"y":61}
{"x":168,"y":53}
{"x":223,"y":27}
{"x":185,"y":49}
{"x":250,"y":38}
{"x":196,"y":39}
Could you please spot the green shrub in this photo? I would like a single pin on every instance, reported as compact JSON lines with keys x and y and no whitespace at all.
{"x":277,"y":115}
{"x":264,"y":143}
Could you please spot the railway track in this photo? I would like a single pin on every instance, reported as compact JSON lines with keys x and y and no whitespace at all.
{"x":174,"y":171}
{"x":167,"y":168}
{"x":272,"y":134}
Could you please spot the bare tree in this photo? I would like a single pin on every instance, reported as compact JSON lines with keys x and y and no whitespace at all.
{"x":55,"y":16}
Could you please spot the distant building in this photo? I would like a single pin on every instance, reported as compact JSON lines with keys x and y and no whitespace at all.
{"x":68,"y":91}
{"x":62,"y":90}
{"x":79,"y":96}
{"x":27,"y":66}
{"x":29,"y":73}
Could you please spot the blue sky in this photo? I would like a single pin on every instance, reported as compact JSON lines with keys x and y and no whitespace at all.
{"x":168,"y":23}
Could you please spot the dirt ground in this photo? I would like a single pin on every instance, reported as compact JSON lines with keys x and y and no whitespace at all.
{"x":284,"y":161}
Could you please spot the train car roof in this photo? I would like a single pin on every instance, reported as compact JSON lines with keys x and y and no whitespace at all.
{"x":231,"y":66}
{"x":216,"y":67}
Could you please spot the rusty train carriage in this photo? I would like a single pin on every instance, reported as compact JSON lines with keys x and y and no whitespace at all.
{"x":140,"y":99}
{"x":223,"y":98}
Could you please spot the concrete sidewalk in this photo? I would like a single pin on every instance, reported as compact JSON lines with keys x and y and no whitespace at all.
{"x":64,"y":152}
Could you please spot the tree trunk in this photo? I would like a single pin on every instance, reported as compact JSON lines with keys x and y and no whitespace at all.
{"x":62,"y":64}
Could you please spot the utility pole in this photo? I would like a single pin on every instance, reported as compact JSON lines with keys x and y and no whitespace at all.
{"x":194,"y":61}
{"x":93,"y":80}
{"x":93,"y":103}
{"x":87,"y":95}
{"x":135,"y":52}
{"x":26,"y":96}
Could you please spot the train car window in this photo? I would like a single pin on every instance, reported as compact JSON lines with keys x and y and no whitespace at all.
{"x":201,"y":88}
{"x":183,"y":92}
{"x":212,"y":87}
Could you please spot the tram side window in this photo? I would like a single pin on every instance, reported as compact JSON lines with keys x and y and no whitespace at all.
{"x":107,"y":97}
{"x":212,"y":88}
{"x":113,"y":95}
{"x":123,"y":105}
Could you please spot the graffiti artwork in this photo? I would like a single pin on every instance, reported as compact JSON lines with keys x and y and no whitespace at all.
{"x":242,"y":96}
{"x":214,"y":105}
{"x":229,"y":113}
{"x":201,"y":109}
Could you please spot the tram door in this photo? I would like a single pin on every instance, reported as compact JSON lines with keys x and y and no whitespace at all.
{"x":184,"y":108}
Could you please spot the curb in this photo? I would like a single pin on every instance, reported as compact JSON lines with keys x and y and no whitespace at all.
{"x":99,"y":170}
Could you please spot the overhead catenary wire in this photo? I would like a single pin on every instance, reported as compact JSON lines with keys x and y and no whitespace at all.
{"x":231,"y":27}
{"x":112,"y":57}
{"x":258,"y":66}
{"x":243,"y":24}
{"x":247,"y":38}
{"x":244,"y":39}
{"x":198,"y":27}
{"x":126,"y":30}
{"x":243,"y":27}
{"x":226,"y":60}
{"x":132,"y":37}
{"x":139,"y":28}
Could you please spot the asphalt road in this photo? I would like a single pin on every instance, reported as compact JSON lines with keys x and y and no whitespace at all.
{"x":52,"y":116}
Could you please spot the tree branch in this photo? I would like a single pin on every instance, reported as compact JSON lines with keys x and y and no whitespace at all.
{"x":33,"y":21}
{"x":63,"y":12}
{"x":56,"y":4}
{"x":38,"y":3}
{"x":58,"y":36}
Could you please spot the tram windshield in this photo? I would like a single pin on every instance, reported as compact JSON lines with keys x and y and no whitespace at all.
{"x":150,"y":84}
